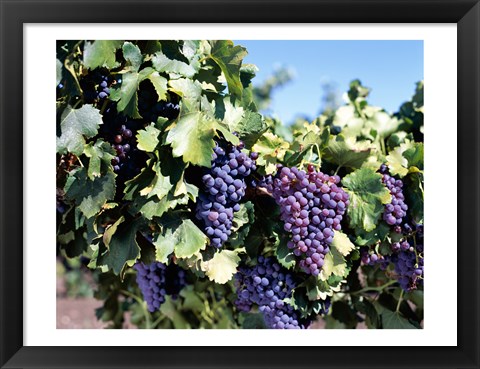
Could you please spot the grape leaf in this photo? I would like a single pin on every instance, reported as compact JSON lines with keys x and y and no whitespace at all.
{"x":250,"y":127}
{"x":75,"y":124}
{"x":182,"y":237}
{"x":254,"y":321}
{"x":334,"y":264}
{"x":186,"y":88}
{"x":126,"y":95}
{"x":346,"y":152}
{"x":270,"y":148}
{"x":155,"y":208}
{"x":414,"y":156}
{"x":342,"y":243}
{"x":284,"y":255}
{"x":160,"y":85}
{"x":132,"y":55}
{"x":98,"y":152}
{"x":393,"y":320}
{"x":160,"y":186}
{"x":59,"y":72}
{"x":122,"y":248}
{"x":90,"y":195}
{"x":229,"y":58}
{"x":163,"y":64}
{"x":148,"y":138}
{"x":100,"y":53}
{"x":221,"y":268}
{"x":192,"y":138}
{"x":396,"y":163}
{"x":367,"y":197}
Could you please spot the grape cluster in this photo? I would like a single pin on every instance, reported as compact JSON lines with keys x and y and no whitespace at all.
{"x":223,"y":188}
{"x":266,"y":285}
{"x":312,"y":205}
{"x":397,"y":209}
{"x":150,"y":108}
{"x":408,"y":262}
{"x":95,"y":86}
{"x":406,"y":257}
{"x":157,"y":280}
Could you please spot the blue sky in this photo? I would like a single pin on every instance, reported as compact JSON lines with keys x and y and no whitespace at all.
{"x":389,"y":68}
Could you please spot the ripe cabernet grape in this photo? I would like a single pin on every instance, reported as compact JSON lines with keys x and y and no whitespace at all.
{"x":223,"y":188}
{"x":266,"y":285}
{"x":406,"y":257}
{"x":397,"y":209}
{"x":157,"y":280}
{"x":312,"y":206}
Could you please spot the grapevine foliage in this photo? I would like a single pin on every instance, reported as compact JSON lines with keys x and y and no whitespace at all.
{"x":194,"y":210}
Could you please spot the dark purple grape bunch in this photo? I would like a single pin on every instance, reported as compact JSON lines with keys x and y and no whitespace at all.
{"x":223,"y":188}
{"x":123,"y":142}
{"x":150,"y":108}
{"x":158,"y":280}
{"x":267,"y":285}
{"x":312,"y":206}
{"x":151,"y":281}
{"x":372,"y":258}
{"x":96,"y":86}
{"x":103,"y":89}
{"x":408,"y":262}
{"x":396,"y":210}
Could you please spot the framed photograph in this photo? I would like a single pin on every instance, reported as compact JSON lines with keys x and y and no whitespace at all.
{"x":244,"y":194}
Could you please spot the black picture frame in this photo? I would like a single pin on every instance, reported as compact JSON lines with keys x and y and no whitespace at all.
{"x":15,"y":13}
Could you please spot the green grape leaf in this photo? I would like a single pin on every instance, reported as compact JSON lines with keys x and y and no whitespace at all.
{"x":165,"y":65}
{"x":100,"y":53}
{"x":221,"y":268}
{"x":230,"y":137}
{"x":186,"y":88}
{"x":132,"y":55}
{"x":59,"y":72}
{"x":367,"y":197}
{"x":160,"y":85}
{"x":90,"y":195}
{"x":76,"y":124}
{"x":285,"y":255}
{"x":370,"y":238}
{"x":182,"y":237}
{"x":250,"y":127}
{"x":122,"y":247}
{"x":334,"y":264}
{"x":254,"y":321}
{"x":192,"y":138}
{"x":396,"y":163}
{"x":393,"y":320}
{"x":148,"y":138}
{"x":139,"y":182}
{"x":414,"y":156}
{"x":160,"y":186}
{"x":346,"y":152}
{"x":98,"y":152}
{"x":155,"y":208}
{"x":271,"y":149}
{"x":229,"y":58}
{"x":414,"y":194}
{"x":241,"y":223}
{"x":342,"y":243}
{"x":126,"y":95}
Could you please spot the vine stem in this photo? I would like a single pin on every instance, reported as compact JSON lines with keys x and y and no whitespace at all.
{"x":338,"y":168}
{"x":399,"y":301}
{"x":148,"y":323}
{"x":374,"y":289}
{"x":382,"y":145}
